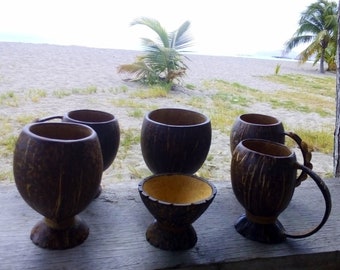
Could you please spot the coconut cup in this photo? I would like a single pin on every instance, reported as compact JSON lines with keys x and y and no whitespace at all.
{"x":104,"y":124}
{"x":175,"y":140}
{"x":175,"y":201}
{"x":57,"y":170}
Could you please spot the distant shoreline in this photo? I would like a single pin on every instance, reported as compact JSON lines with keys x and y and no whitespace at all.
{"x":258,"y":55}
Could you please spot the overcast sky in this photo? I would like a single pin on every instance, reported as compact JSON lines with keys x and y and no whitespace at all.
{"x":218,"y":27}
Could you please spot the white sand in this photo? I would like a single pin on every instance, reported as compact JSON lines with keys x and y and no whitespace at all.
{"x":24,"y":67}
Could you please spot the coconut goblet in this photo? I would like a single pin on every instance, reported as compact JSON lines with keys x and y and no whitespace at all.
{"x":104,"y":124}
{"x":175,"y":140}
{"x":57,"y":169}
{"x":176,"y":201}
{"x":107,"y":128}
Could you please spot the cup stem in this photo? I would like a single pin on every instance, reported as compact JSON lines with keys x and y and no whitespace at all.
{"x":171,"y":238}
{"x":259,"y":219}
{"x":59,"y":235}
{"x":270,"y":233}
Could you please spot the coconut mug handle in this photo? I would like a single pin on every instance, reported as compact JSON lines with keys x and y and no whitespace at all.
{"x":306,"y":154}
{"x":48,"y":118}
{"x":326,"y":195}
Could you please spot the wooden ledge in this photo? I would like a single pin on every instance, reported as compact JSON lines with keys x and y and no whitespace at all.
{"x":118,"y":221}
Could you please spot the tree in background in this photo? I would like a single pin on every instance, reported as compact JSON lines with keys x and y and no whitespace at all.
{"x":162,"y":61}
{"x":318,"y":26}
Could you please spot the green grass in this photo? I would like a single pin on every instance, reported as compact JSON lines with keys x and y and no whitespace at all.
{"x":9,"y":132}
{"x":155,"y":91}
{"x":117,"y":90}
{"x":6,"y":174}
{"x":321,"y":86}
{"x":190,"y":86}
{"x":321,"y":140}
{"x":128,"y":138}
{"x":9,"y":98}
{"x":90,"y":90}
{"x":277,"y":69}
{"x":35,"y":95}
{"x":130,"y":103}
{"x":307,"y":94}
{"x":136,"y":113}
{"x":61,"y":93}
{"x":7,"y":139}
{"x":221,"y":100}
{"x":304,"y":94}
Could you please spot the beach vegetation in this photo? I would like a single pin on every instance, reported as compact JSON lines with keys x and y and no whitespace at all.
{"x":9,"y":98}
{"x":6,"y":175}
{"x":190,"y":86}
{"x":277,"y":69}
{"x":117,"y":90}
{"x":36,"y":94}
{"x":154,"y":91}
{"x":319,"y":85}
{"x":136,"y":113}
{"x":126,"y":102}
{"x":163,"y":60}
{"x":198,"y":102}
{"x":128,"y":138}
{"x":9,"y":131}
{"x":222,"y":101}
{"x":320,"y":140}
{"x":308,"y":94}
{"x":24,"y":119}
{"x":8,"y":143}
{"x":132,"y":103}
{"x":85,"y":91}
{"x":318,"y":26}
{"x":60,"y":93}
{"x":205,"y":171}
{"x":138,"y":173}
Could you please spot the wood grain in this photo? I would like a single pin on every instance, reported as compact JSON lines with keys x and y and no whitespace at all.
{"x":118,"y":221}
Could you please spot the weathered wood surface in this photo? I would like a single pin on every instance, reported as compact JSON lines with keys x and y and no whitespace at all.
{"x":118,"y":220}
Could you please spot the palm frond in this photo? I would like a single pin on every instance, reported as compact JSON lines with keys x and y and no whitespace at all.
{"x":162,"y":61}
{"x":155,"y":26}
{"x":318,"y":26}
{"x":180,"y":39}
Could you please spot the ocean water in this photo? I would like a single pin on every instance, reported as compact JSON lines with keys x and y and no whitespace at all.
{"x":270,"y":54}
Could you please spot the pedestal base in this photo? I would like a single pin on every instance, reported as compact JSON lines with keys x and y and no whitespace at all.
{"x":171,"y":238}
{"x":99,"y":191}
{"x":49,"y":237}
{"x":272,"y":233}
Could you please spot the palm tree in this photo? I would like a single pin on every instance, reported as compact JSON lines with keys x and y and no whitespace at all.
{"x":162,"y":61}
{"x":318,"y":26}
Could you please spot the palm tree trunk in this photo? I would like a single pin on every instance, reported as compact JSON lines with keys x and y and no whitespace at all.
{"x":336,"y":154}
{"x":322,"y":61}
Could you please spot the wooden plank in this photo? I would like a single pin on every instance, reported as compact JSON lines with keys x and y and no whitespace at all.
{"x":118,"y":220}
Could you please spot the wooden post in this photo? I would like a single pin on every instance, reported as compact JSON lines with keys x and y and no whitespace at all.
{"x":336,"y":155}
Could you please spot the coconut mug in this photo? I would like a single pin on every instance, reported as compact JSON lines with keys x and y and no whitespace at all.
{"x":260,"y":126}
{"x":263,"y":177}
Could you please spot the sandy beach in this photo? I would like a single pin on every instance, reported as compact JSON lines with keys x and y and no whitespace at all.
{"x":58,"y":69}
{"x":28,"y":66}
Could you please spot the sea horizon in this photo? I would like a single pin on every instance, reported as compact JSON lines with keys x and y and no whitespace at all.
{"x":268,"y":55}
